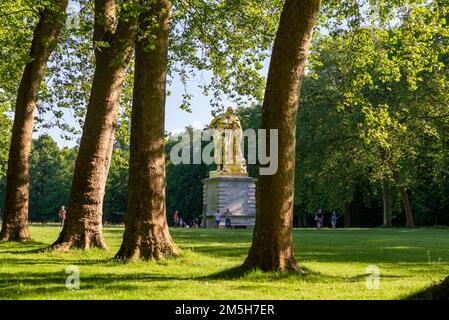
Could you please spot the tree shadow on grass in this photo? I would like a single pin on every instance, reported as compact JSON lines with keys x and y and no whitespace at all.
{"x":28,"y":284}
{"x":19,"y":285}
{"x":438,"y":291}
{"x":304,"y":274}
{"x":30,"y":246}
{"x":50,"y":261}
{"x":332,"y":254}
{"x":228,"y":274}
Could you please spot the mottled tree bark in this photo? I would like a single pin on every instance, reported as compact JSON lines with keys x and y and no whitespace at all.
{"x":409,"y":221}
{"x":45,"y":38}
{"x":272,"y":247}
{"x":146,"y":231}
{"x":386,"y":203}
{"x":83,"y":225}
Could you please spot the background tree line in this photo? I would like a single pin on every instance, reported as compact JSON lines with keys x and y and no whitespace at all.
{"x":337,"y":169}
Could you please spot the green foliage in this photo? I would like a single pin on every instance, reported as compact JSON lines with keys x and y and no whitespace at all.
{"x":229,"y":38}
{"x":65,"y":92}
{"x":374,"y":108}
{"x":5,"y":131}
{"x":224,"y":43}
{"x":17,"y":19}
{"x":51,"y":170}
{"x":184,"y":189}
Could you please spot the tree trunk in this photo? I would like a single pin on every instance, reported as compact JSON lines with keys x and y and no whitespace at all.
{"x":146,"y":231}
{"x":347,"y":216}
{"x":272,"y":247}
{"x":83,"y":225}
{"x":46,"y":34}
{"x":410,"y":223}
{"x":387,"y":203}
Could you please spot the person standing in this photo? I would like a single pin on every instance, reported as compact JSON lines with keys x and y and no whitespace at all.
{"x":228,"y":217}
{"x":176,"y":218}
{"x":319,"y":218}
{"x":334,"y":219}
{"x":217,"y":218}
{"x":62,"y":214}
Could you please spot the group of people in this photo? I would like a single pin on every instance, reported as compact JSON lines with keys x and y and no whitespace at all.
{"x":319,"y":218}
{"x":180,"y":223}
{"x":197,"y":223}
{"x":228,"y":218}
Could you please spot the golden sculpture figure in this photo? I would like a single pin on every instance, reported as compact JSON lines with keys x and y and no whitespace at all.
{"x":228,"y":135}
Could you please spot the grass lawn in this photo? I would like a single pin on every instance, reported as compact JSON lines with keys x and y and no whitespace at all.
{"x":334,"y":261}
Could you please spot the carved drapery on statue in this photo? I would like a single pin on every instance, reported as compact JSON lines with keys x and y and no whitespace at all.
{"x":228,"y":136}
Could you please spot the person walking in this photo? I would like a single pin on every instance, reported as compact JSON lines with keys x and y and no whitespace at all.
{"x":228,"y":217}
{"x":62,"y":214}
{"x":217,"y":218}
{"x":334,"y":219}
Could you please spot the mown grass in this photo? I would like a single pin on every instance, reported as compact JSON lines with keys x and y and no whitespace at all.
{"x":334,"y":261}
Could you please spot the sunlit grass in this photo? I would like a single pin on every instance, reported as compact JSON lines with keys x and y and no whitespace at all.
{"x":334,"y":264}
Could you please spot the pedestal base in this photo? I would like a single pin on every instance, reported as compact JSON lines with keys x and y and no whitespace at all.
{"x":236,"y":193}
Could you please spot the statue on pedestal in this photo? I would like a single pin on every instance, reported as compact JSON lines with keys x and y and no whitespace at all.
{"x":228,"y":135}
{"x":229,"y":188}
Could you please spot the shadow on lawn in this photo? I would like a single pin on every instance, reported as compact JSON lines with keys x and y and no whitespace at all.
{"x":49,"y":261}
{"x":17,"y":285}
{"x":328,"y":246}
{"x":304,"y":274}
{"x":30,"y":246}
{"x":439,"y":291}
{"x":332,"y":253}
{"x":26,"y":285}
{"x":210,"y":243}
{"x":235,"y":244}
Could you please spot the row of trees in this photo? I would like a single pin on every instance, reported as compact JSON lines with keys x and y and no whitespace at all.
{"x":219,"y":37}
{"x":145,"y":26}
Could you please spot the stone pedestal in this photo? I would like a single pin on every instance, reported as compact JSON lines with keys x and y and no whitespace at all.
{"x":236,"y":193}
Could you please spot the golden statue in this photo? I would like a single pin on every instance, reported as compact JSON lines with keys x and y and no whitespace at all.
{"x":228,"y":135}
